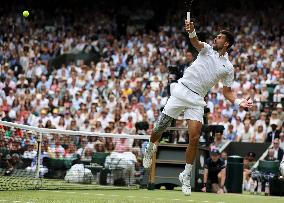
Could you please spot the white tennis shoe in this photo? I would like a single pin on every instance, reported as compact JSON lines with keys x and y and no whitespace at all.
{"x":185,"y":179}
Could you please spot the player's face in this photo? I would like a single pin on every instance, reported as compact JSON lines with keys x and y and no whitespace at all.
{"x":219,"y":42}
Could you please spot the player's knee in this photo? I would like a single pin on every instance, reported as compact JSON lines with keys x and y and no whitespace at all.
{"x":162,"y":123}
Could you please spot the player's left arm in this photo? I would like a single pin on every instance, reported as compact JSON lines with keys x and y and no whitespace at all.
{"x":230,"y":95}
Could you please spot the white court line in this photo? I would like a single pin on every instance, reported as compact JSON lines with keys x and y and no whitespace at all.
{"x":205,"y":201}
{"x":16,"y":201}
{"x":176,"y":199}
{"x":114,"y":195}
{"x":86,"y":193}
{"x":55,"y":191}
{"x":190,"y":200}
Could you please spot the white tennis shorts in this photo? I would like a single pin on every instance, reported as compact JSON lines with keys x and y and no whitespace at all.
{"x":184,"y":100}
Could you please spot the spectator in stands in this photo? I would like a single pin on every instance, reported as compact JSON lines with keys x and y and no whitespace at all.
{"x":251,"y":158}
{"x":247,"y":134}
{"x":100,"y":147}
{"x":70,"y":151}
{"x":57,"y":151}
{"x":261,"y":121}
{"x":224,"y":156}
{"x":270,"y":155}
{"x":259,"y":135}
{"x":218,"y":141}
{"x":280,"y":112}
{"x":281,"y":140}
{"x":30,"y":153}
{"x":122,"y":145}
{"x":232,"y":135}
{"x":274,"y":119}
{"x":3,"y":149}
{"x":87,"y":155}
{"x":274,"y":133}
{"x":278,"y":152}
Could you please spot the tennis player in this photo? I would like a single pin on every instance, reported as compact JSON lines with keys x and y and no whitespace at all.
{"x":212,"y":65}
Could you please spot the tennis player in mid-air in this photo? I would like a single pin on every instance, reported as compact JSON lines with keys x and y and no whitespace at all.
{"x":212,"y":65}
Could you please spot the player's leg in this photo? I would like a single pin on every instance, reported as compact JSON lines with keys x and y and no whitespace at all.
{"x":162,"y":123}
{"x":194,"y":118}
{"x":194,"y":128}
{"x":172,"y":110}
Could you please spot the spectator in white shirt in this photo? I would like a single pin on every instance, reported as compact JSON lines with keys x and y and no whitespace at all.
{"x":30,"y":153}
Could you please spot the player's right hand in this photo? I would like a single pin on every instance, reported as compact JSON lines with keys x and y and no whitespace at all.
{"x":203,"y":189}
{"x":188,"y":26}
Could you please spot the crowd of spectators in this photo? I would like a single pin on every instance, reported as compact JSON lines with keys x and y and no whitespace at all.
{"x":125,"y":89}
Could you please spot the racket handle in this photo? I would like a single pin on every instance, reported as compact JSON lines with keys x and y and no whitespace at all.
{"x":188,"y":16}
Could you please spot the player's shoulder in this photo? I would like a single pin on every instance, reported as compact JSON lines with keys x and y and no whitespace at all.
{"x":207,"y":49}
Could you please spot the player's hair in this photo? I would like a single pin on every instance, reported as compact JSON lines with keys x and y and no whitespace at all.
{"x":229,"y":36}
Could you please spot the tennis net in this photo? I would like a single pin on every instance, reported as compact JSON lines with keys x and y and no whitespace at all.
{"x":41,"y":158}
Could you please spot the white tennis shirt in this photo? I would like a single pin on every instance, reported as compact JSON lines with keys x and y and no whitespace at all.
{"x":207,"y":70}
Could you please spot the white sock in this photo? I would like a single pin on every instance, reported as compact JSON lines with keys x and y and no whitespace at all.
{"x":188,"y":168}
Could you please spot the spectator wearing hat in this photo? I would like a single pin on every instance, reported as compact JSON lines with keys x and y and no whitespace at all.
{"x":214,"y":172}
{"x":54,"y":118}
{"x":275,"y":120}
{"x":280,"y":112}
{"x":274,"y":133}
{"x":261,"y":120}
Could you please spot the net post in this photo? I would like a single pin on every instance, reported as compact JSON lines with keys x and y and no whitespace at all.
{"x":39,"y":141}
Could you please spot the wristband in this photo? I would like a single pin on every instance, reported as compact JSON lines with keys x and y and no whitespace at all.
{"x":238,"y":102}
{"x":204,"y":184}
{"x":192,"y":34}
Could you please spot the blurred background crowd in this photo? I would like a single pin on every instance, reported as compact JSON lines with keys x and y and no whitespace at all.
{"x":125,"y":88}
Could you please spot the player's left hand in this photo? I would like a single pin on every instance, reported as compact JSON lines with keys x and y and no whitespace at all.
{"x":246,"y":103}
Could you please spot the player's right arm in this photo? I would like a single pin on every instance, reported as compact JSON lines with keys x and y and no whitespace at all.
{"x":189,"y":27}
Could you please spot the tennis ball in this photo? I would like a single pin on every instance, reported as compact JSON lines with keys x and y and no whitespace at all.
{"x":26,"y":13}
